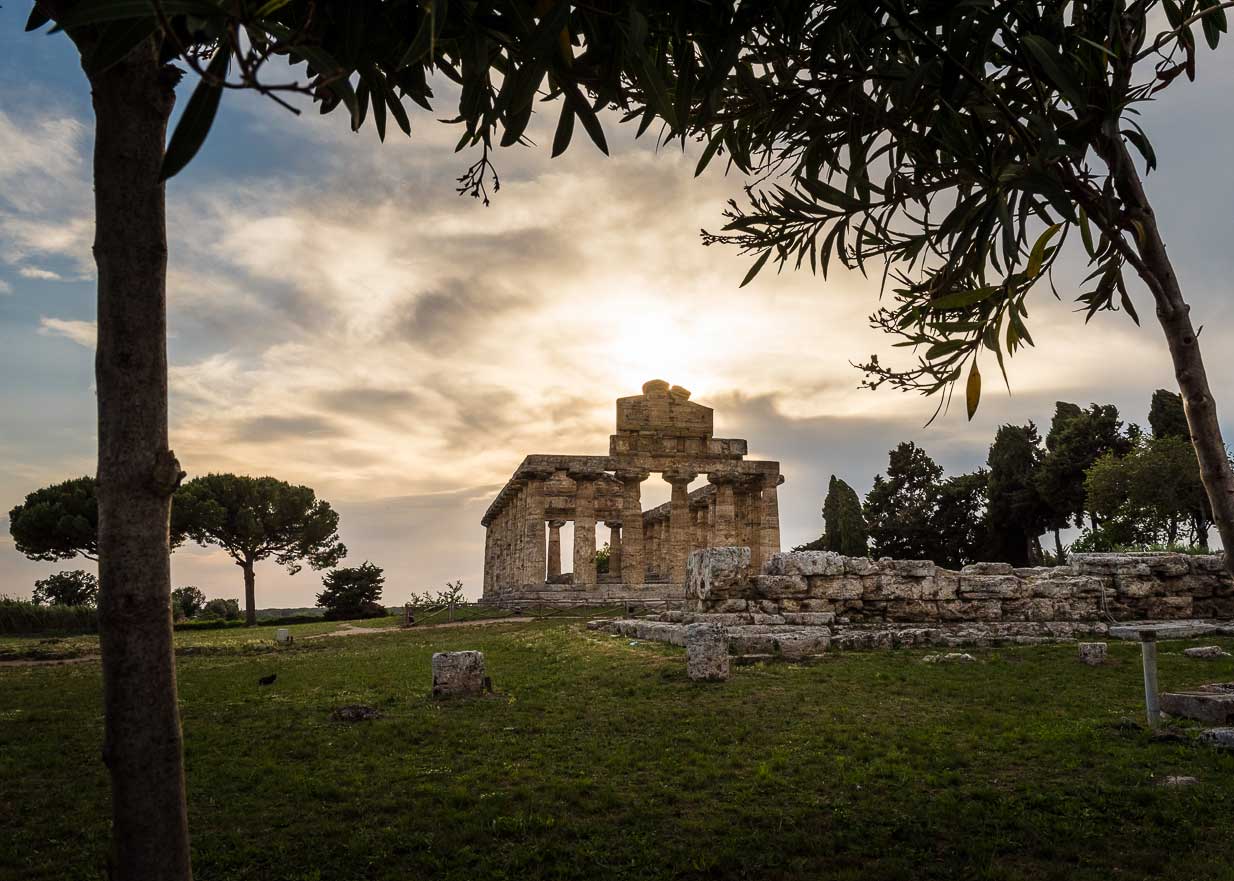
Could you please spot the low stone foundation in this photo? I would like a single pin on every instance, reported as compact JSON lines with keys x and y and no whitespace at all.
{"x":654,"y":595}
{"x":1093,"y":587}
{"x":803,"y":603}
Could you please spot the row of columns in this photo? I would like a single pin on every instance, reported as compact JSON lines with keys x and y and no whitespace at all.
{"x":743,"y":510}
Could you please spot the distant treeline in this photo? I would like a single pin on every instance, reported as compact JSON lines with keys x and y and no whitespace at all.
{"x":1123,"y":487}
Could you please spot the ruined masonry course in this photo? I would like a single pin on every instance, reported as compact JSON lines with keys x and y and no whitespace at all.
{"x":660,"y":432}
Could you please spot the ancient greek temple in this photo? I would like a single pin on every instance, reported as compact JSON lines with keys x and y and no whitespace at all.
{"x":659,"y":432}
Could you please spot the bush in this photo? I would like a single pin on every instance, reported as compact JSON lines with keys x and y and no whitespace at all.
{"x":22,"y":616}
{"x":72,"y":588}
{"x":452,"y":594}
{"x":186,"y":602}
{"x":353,"y":592}
{"x":227,"y":610}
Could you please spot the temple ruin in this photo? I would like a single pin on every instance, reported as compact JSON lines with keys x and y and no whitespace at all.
{"x":660,"y":432}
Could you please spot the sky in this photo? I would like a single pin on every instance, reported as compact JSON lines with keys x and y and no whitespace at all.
{"x":340,"y":317}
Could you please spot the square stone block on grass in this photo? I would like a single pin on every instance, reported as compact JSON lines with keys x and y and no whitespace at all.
{"x":458,"y":674}
{"x":707,"y":652}
{"x":1093,"y":653}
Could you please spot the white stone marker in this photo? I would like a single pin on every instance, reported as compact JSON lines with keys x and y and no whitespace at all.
{"x":1093,"y":653}
{"x":458,"y":673}
{"x":282,"y":636}
{"x":707,"y":652}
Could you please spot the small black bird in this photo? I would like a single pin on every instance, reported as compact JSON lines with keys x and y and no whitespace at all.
{"x":268,"y":680}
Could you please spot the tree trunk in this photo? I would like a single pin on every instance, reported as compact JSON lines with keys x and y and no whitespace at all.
{"x":1058,"y":548}
{"x":1174,"y":315}
{"x":250,"y":593}
{"x":137,"y":473}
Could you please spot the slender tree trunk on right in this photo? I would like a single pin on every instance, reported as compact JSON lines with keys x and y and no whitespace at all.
{"x":137,"y":473}
{"x":250,"y":592}
{"x":1174,"y":316}
{"x":1058,"y":547}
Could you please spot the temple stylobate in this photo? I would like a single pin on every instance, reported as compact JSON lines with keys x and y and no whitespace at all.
{"x":659,"y":432}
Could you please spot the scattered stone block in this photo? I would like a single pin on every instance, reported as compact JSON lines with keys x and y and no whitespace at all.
{"x":1206,"y":651}
{"x":1178,"y":780}
{"x":1211,"y":704}
{"x":355,"y":713}
{"x":707,"y":652}
{"x":949,"y":658}
{"x":282,"y":636}
{"x":1220,"y":738}
{"x":458,"y":673}
{"x":1093,"y":653}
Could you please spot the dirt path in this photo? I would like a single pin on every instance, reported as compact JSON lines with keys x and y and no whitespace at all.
{"x":352,"y":630}
{"x":49,"y":662}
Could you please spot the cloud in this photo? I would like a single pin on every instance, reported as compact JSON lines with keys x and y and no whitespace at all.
{"x":84,"y":333}
{"x":5,"y":287}
{"x":39,"y":274}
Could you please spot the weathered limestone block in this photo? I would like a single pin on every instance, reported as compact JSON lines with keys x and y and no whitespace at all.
{"x":1206,"y":651}
{"x":946,"y":585}
{"x":949,"y":658}
{"x":812,"y":618}
{"x":1168,"y":607}
{"x":804,"y":643}
{"x":1167,"y":565}
{"x":970,"y":610}
{"x":978,"y":587}
{"x":805,"y":563}
{"x":1218,"y":738}
{"x":722,"y":573}
{"x":1211,"y":564}
{"x":1093,"y":653}
{"x":458,"y":673}
{"x":1136,"y":586}
{"x":1214,"y":707}
{"x":987,"y":569}
{"x":912,"y":610}
{"x":908,"y":568}
{"x":730,"y":606}
{"x":1109,"y":564}
{"x":776,"y":586}
{"x":890,"y":586}
{"x":706,"y":652}
{"x":859,"y":566}
{"x":836,"y":587}
{"x":757,"y":618}
{"x":1052,"y":585}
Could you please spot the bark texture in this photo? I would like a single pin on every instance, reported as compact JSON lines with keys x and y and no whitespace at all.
{"x":137,"y":473}
{"x":250,"y":592}
{"x":1174,"y":315}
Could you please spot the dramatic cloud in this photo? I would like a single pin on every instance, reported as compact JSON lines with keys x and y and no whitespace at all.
{"x":341,"y":318}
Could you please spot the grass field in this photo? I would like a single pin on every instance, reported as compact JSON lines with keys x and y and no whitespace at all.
{"x":597,"y":758}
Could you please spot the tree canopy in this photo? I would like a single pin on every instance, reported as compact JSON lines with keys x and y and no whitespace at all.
{"x":187,"y":601}
{"x":352,"y":592}
{"x":957,"y":150}
{"x":58,"y":522}
{"x":843,"y":522}
{"x":75,"y":588}
{"x":258,"y":518}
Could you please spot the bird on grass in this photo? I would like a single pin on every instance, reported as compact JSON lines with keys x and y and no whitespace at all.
{"x":268,"y":680}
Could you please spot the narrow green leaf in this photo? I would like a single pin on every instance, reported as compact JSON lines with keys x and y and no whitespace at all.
{"x":1055,"y":68}
{"x":591,"y":123}
{"x":1038,"y":254}
{"x":758,"y":264}
{"x":116,"y":40}
{"x":963,"y":298}
{"x":197,"y":118}
{"x":565,"y":130}
{"x":972,"y":393}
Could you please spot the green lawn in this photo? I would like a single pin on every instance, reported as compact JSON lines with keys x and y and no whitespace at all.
{"x":599,"y":759}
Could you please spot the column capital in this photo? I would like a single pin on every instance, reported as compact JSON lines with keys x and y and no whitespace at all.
{"x":556,"y":524}
{"x":678,"y":475}
{"x":771,"y":481}
{"x":585,"y":474}
{"x":533,"y":472}
{"x":613,"y":524}
{"x":630,"y":475}
{"x":720,"y":478}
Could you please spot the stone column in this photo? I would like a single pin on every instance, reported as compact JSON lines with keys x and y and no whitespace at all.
{"x":679,"y":523}
{"x":585,"y":526}
{"x":698,"y":523}
{"x":711,"y":520}
{"x":769,"y":538}
{"x":633,"y":555}
{"x":533,"y":525}
{"x":614,"y":546}
{"x":554,"y":547}
{"x":752,"y":518}
{"x":726,"y":513}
